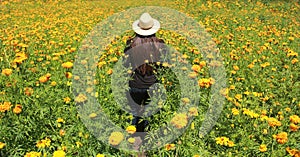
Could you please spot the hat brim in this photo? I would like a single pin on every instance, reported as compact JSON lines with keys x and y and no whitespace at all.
{"x":138,"y":30}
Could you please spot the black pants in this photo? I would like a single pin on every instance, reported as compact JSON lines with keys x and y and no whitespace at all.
{"x":140,"y":97}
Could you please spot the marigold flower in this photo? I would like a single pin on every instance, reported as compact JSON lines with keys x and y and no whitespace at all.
{"x":67,"y":65}
{"x":273,"y":122}
{"x":116,"y":138}
{"x":28,"y":91}
{"x":68,"y":75}
{"x":193,"y":111}
{"x":81,"y":98}
{"x":294,"y":127}
{"x":43,"y":79}
{"x":109,"y":72}
{"x":131,"y":129}
{"x":67,"y":100}
{"x":5,"y":106}
{"x":43,"y":143}
{"x":100,"y":155}
{"x":295,"y":119}
{"x":17,"y":109}
{"x":2,"y":145}
{"x":6,"y":72}
{"x":93,"y":115}
{"x":196,"y":68}
{"x":293,"y":152}
{"x":33,"y":154}
{"x":131,"y":140}
{"x":205,"y":82}
{"x":235,"y":111}
{"x":60,"y":120}
{"x":179,"y":120}
{"x":185,"y":100}
{"x":263,"y":148}
{"x":59,"y":153}
{"x":281,"y":137}
{"x":169,"y":147}
{"x":62,"y":132}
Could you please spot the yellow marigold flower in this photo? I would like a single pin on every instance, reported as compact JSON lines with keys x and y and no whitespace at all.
{"x":202,"y":64}
{"x":67,"y":65}
{"x":116,"y":138}
{"x":59,"y":153}
{"x":5,"y":106}
{"x":294,"y":127}
{"x":235,"y":111}
{"x":295,"y":119}
{"x":60,"y":120}
{"x":131,"y":129}
{"x":131,"y":140}
{"x":205,"y":82}
{"x":263,"y":148}
{"x":273,"y":122}
{"x":196,"y":155}
{"x":222,"y":140}
{"x":100,"y":155}
{"x":238,"y":96}
{"x":281,"y":137}
{"x":67,"y":100}
{"x":33,"y":154}
{"x":17,"y":109}
{"x":43,"y":143}
{"x":185,"y":100}
{"x":2,"y":145}
{"x":169,"y":147}
{"x":93,"y":115}
{"x":196,"y":68}
{"x":81,"y":98}
{"x":193,"y":111}
{"x":179,"y":120}
{"x":6,"y":72}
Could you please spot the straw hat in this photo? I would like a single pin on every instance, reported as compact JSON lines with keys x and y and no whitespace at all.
{"x":146,"y":25}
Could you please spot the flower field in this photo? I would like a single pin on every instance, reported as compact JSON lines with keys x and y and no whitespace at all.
{"x":259,"y":42}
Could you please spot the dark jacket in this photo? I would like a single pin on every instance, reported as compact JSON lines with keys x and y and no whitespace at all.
{"x":137,"y":59}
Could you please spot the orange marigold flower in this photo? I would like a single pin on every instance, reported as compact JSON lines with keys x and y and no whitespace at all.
{"x":294,"y":127}
{"x":169,"y":147}
{"x":273,"y":122}
{"x":17,"y":109}
{"x":5,"y":106}
{"x":281,"y":137}
{"x":293,"y":152}
{"x":6,"y":72}
{"x":295,"y":119}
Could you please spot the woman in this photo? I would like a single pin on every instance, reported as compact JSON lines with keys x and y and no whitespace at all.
{"x":143,"y":51}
